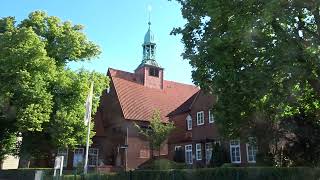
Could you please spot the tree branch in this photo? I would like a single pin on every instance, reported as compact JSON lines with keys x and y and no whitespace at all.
{"x":316,"y":15}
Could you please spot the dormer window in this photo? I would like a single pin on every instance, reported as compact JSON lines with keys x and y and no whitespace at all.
{"x":154,"y":72}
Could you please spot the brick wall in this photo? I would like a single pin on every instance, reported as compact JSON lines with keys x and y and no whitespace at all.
{"x":150,"y":81}
{"x":208,"y":132}
{"x":111,"y":130}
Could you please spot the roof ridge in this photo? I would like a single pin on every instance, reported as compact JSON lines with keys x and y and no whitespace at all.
{"x":181,"y":83}
{"x":121,"y":71}
{"x":192,"y":85}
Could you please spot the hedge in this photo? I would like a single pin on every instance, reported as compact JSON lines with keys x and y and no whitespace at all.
{"x":248,"y":173}
{"x":23,"y":173}
{"x":161,"y":164}
{"x":232,"y":173}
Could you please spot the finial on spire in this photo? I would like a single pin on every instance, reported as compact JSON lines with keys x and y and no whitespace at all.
{"x":149,"y":10}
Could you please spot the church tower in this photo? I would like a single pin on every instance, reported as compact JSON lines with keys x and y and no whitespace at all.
{"x":150,"y":71}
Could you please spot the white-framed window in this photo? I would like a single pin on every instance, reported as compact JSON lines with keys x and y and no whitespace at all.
{"x":198,"y":152}
{"x":211,"y":118}
{"x":93,"y":157}
{"x":78,"y":156}
{"x":64,"y":153}
{"x":200,"y":118}
{"x":209,"y":149}
{"x":251,"y":150}
{"x":189,"y":122}
{"x":188,"y":154}
{"x":235,"y":152}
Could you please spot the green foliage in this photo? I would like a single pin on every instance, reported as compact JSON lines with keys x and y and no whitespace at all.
{"x":42,"y":100}
{"x":26,"y":174}
{"x":262,"y":173}
{"x":92,"y":176}
{"x":157,"y":132}
{"x":161,"y":164}
{"x":260,"y":58}
{"x":302,"y":148}
{"x":230,"y":173}
{"x":219,"y":155}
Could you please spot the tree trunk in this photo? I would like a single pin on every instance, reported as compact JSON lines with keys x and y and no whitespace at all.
{"x":315,"y":84}
{"x":151,"y":150}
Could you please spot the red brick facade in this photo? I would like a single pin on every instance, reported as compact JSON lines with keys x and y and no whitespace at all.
{"x":150,"y":81}
{"x":200,"y":133}
{"x":130,"y":101}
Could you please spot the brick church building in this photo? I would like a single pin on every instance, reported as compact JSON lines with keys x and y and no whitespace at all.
{"x":131,"y":100}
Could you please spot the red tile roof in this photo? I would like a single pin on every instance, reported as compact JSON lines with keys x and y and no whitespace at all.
{"x":138,"y":102}
{"x":186,"y":106}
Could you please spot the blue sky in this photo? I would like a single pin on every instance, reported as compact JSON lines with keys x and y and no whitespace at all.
{"x":118,"y":27}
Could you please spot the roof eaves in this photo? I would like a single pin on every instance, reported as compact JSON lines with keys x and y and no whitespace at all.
{"x":115,"y":89}
{"x":194,"y":100}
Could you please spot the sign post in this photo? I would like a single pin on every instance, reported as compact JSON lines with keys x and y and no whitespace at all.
{"x":58,"y":164}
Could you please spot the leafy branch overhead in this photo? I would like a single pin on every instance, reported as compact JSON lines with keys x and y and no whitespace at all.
{"x":261,"y":58}
{"x":40,"y":97}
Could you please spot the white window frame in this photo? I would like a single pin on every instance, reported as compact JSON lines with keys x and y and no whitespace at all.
{"x":64,"y":153}
{"x":189,"y":122}
{"x":198,"y":152}
{"x":253,"y":153}
{"x":90,"y":154}
{"x":235,"y":145}
{"x":200,"y":118}
{"x":209,"y":149}
{"x":74,"y":153}
{"x":211,"y":117}
{"x":188,"y":150}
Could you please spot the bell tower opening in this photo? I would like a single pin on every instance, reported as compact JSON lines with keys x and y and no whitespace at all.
{"x":151,"y":73}
{"x":154,"y":72}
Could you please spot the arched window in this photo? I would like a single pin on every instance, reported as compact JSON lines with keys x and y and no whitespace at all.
{"x":189,"y":122}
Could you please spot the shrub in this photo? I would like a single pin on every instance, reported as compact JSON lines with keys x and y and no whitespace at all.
{"x":219,"y":156}
{"x":238,"y":173}
{"x":23,"y":173}
{"x":162,"y":164}
{"x":231,"y":173}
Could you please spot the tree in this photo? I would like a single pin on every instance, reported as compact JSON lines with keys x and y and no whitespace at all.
{"x":41,"y":99}
{"x":260,"y":58}
{"x":219,"y":155}
{"x":302,"y":146}
{"x":157,"y":132}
